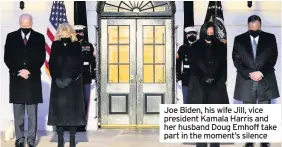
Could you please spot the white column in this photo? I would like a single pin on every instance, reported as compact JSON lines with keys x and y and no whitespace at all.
{"x":92,"y":20}
{"x":179,"y":23}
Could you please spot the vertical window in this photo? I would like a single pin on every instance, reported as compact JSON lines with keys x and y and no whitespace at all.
{"x":118,"y":54}
{"x":154,"y":54}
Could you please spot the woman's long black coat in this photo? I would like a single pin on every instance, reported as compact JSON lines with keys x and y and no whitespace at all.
{"x":200,"y":92}
{"x":66,"y":104}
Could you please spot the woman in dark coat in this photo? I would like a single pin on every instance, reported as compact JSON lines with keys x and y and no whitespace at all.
{"x":66,"y":99}
{"x":208,"y":71}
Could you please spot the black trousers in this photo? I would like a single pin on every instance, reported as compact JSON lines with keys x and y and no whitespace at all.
{"x":206,"y":144}
{"x":255,"y":97}
{"x":206,"y":101}
{"x":61,"y":129}
{"x":19,"y":117}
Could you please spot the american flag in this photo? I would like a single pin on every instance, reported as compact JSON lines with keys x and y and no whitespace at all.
{"x":57,"y":17}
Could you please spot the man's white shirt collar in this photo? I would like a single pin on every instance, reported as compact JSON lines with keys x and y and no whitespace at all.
{"x":256,"y":39}
{"x":27,"y":36}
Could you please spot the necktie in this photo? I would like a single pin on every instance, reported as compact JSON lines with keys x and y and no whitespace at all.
{"x":254,"y":47}
{"x":25,"y":40}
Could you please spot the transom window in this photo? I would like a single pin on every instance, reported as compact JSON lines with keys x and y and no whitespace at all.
{"x":136,"y":6}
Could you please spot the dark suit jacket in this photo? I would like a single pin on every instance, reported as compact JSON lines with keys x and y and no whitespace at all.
{"x":18,"y":56}
{"x":184,"y":57}
{"x":264,"y":62}
{"x":88,"y":70}
{"x":199,"y":91}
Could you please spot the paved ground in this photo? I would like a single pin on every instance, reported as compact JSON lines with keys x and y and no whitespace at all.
{"x":112,"y":138}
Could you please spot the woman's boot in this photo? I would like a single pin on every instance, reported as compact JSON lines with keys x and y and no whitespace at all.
{"x":72,"y":136}
{"x":60,"y":132}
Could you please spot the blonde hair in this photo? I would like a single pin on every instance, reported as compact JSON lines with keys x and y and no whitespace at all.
{"x":65,"y":27}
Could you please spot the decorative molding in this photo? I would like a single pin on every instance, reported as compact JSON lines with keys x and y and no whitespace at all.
{"x":111,"y":96}
{"x":146,"y":96}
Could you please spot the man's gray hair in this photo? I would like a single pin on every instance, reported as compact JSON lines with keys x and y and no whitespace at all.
{"x":25,"y":16}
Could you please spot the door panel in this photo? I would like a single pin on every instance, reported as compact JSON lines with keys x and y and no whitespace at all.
{"x":136,"y":70}
{"x":154,"y":66}
{"x":118,"y":70}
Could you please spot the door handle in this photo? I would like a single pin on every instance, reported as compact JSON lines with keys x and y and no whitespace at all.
{"x":140,"y":80}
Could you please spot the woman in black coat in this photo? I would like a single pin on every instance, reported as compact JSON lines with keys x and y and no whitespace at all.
{"x":66,"y":107}
{"x":208,"y":71}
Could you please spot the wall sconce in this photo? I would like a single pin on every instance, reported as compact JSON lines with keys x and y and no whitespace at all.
{"x":21,"y":5}
{"x":249,"y":4}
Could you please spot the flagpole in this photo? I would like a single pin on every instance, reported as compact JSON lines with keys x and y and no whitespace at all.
{"x":215,"y":15}
{"x":215,"y":11}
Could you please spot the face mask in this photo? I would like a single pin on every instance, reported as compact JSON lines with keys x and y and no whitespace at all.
{"x":254,"y":33}
{"x":79,"y":37}
{"x":66,"y":40}
{"x":26,"y":30}
{"x":210,"y":37}
{"x":192,"y":38}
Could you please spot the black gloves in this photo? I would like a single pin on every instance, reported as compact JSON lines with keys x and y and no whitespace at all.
{"x":209,"y":81}
{"x":59,"y":83}
{"x":67,"y":81}
{"x":93,"y":74}
{"x":178,"y":77}
{"x":63,"y":83}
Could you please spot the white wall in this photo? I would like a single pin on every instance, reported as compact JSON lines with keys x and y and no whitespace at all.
{"x":92,"y":20}
{"x":10,"y":13}
{"x":179,"y":32}
{"x":236,"y":15}
{"x":92,"y":35}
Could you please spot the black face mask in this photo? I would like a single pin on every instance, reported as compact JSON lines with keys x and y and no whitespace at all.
{"x":66,"y":40}
{"x":192,"y":38}
{"x":254,"y":33}
{"x":79,"y":37}
{"x":26,"y":30}
{"x":210,"y":37}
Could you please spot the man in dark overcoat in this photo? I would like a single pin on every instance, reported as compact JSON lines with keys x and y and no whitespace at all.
{"x":24,"y":56}
{"x":254,"y":55}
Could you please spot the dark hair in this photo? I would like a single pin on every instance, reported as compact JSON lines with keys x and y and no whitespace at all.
{"x":254,"y":18}
{"x":204,"y":29}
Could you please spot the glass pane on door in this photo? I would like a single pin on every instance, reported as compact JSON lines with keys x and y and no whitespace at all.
{"x":154,"y":54}
{"x":118,"y":54}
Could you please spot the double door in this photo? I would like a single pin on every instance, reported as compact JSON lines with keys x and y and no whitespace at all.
{"x":136,"y":70}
